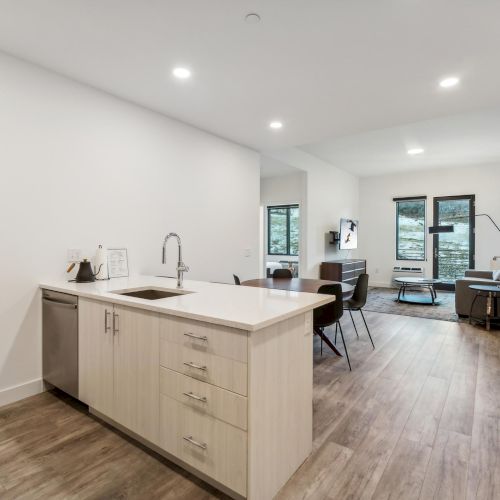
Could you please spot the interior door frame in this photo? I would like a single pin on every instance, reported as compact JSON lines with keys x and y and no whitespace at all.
{"x":472,"y":235}
{"x":266,"y":230}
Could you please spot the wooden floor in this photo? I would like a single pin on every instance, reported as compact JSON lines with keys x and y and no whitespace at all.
{"x":417,"y":418}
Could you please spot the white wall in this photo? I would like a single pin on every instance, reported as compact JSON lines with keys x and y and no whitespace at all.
{"x":79,"y":168}
{"x":331,"y":194}
{"x":378,"y":213}
{"x":283,"y":189}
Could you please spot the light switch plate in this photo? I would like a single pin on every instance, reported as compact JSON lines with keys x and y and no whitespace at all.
{"x":74,"y":255}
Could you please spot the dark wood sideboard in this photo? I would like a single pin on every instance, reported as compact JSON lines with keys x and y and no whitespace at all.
{"x":346,"y":270}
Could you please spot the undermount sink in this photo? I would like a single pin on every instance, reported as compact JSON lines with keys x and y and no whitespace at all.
{"x":150,"y":294}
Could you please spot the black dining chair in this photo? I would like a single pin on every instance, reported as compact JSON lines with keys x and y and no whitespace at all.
{"x":357,"y":302}
{"x":328,"y":315}
{"x":282,"y":273}
{"x":236,"y":280}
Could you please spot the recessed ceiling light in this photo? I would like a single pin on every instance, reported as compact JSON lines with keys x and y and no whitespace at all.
{"x":252,"y":18}
{"x":181,"y":73}
{"x":449,"y":82}
{"x":415,"y":151}
{"x":276,"y":125}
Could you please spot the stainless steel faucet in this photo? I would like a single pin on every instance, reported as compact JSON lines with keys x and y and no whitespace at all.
{"x":181,"y":267}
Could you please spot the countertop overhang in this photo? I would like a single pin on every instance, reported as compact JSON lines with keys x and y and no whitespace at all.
{"x":242,"y":307}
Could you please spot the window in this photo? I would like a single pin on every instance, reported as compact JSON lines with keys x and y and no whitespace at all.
{"x":283,"y":230}
{"x":410,"y":229}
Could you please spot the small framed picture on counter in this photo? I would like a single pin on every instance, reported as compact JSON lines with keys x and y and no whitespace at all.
{"x":117,"y":262}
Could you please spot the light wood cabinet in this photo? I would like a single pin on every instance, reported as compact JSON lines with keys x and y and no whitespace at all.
{"x":215,"y":448}
{"x":119,"y":365}
{"x":196,"y":363}
{"x":280,"y":409}
{"x":148,"y":377}
{"x":214,"y":354}
{"x":221,"y":341}
{"x":234,"y":405}
{"x":206,"y":398}
{"x":136,"y":371}
{"x":95,"y":355}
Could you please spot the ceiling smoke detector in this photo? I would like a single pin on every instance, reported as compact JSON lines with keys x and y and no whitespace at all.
{"x":252,"y":18}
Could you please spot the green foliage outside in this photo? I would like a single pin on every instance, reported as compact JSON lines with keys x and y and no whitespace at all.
{"x":454,"y":247}
{"x":411,"y":224}
{"x":281,"y":240}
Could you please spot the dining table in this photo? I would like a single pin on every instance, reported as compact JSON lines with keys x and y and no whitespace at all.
{"x":306,"y":285}
{"x":298,"y":285}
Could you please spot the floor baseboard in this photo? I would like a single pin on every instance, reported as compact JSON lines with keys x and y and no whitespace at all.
{"x":380,"y":284}
{"x":18,"y":392}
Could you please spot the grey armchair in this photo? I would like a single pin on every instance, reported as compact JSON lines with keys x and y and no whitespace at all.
{"x":464,"y":295}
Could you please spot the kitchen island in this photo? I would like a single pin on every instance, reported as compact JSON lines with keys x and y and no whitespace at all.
{"x":217,"y":378}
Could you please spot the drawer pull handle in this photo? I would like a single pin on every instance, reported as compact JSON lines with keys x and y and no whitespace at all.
{"x":197,"y":337}
{"x":107,"y":327}
{"x":115,"y":323}
{"x":197,"y":367}
{"x":203,"y":399}
{"x":190,"y":439}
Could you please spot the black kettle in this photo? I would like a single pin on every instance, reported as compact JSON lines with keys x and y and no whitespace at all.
{"x":85,"y":274}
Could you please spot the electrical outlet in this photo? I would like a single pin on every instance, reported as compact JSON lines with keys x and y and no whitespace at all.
{"x":247,"y":252}
{"x":376,"y":270}
{"x":74,"y":255}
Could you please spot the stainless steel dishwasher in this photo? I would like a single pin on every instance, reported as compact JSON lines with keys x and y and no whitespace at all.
{"x":60,"y":340}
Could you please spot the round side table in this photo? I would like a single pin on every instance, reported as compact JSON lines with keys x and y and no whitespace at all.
{"x":492,"y":294}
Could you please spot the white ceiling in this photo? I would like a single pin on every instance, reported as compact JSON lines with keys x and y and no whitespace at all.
{"x":270,"y":167}
{"x":469,"y":139}
{"x":325,"y":68}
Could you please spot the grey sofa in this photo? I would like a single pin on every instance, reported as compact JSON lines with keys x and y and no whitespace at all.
{"x":464,"y":295}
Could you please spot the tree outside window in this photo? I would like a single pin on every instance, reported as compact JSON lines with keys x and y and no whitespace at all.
{"x":283,"y":230}
{"x":410,"y":230}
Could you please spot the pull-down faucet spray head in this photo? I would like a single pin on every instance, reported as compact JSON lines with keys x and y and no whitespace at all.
{"x":181,"y":267}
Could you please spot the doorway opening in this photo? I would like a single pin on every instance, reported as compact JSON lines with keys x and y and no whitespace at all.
{"x":282,"y":238}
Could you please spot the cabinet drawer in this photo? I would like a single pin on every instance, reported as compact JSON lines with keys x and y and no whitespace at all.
{"x":205,"y":398}
{"x":215,"y":448}
{"x":350,"y":281}
{"x":346,"y":275}
{"x":213,"y":339}
{"x":202,"y":365}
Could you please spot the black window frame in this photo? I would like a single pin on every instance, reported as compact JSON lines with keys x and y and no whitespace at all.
{"x":287,"y":207}
{"x":411,"y":199}
{"x":435,"y":238}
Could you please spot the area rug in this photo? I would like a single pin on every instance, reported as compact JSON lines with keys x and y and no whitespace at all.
{"x":383,"y":300}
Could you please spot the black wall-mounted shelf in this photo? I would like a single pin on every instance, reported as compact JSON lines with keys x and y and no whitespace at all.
{"x":334,"y":237}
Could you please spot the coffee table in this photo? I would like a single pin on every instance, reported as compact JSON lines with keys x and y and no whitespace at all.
{"x":409,"y":283}
{"x":492,"y":293}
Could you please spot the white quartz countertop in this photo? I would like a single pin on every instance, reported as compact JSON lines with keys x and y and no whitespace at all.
{"x":243,"y":307}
